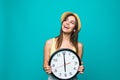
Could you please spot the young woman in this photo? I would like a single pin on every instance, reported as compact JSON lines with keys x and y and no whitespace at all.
{"x":68,"y":38}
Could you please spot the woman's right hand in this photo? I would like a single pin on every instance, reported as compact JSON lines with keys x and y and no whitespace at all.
{"x":47,"y":69}
{"x":47,"y":49}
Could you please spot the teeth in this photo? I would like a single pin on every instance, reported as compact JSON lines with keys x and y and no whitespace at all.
{"x":66,"y":27}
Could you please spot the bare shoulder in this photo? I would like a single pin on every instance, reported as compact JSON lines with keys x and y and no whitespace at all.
{"x":80,"y":45}
{"x":49,"y":42}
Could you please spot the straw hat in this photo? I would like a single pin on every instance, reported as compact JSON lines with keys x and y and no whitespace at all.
{"x":78,"y":19}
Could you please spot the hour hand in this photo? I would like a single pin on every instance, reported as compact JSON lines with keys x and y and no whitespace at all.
{"x":64,"y":62}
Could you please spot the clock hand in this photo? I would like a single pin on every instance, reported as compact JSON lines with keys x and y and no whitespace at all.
{"x":67,"y":63}
{"x":64,"y":62}
{"x":63,"y":65}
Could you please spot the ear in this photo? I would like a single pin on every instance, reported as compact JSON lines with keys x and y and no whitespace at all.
{"x":74,"y":30}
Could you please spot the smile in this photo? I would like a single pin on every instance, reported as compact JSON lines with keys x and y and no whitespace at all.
{"x":66,"y":27}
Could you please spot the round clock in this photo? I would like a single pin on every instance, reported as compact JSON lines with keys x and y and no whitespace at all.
{"x":64,"y":64}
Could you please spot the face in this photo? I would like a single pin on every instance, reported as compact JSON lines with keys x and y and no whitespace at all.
{"x":68,"y":25}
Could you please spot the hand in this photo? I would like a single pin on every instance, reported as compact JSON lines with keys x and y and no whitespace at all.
{"x":81,"y":69}
{"x":47,"y":69}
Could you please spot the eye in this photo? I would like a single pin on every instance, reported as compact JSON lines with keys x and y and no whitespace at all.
{"x":72,"y":22}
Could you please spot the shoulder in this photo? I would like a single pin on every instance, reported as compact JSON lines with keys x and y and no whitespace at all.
{"x":80,"y":45}
{"x":49,"y":42}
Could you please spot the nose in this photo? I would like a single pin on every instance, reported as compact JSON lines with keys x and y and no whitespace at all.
{"x":67,"y":22}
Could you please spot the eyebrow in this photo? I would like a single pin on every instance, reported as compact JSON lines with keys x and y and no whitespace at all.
{"x":73,"y":21}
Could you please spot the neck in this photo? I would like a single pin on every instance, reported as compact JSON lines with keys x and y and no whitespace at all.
{"x":66,"y":37}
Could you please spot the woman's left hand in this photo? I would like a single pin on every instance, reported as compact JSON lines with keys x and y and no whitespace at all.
{"x":81,"y":69}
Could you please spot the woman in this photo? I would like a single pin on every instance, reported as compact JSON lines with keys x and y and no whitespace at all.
{"x":68,"y":38}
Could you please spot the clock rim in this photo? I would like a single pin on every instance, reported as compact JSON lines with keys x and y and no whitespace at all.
{"x":63,"y":49}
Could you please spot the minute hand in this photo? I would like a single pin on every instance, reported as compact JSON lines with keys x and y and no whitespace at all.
{"x":64,"y":62}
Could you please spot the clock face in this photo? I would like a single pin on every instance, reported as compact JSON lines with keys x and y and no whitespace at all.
{"x":64,"y":64}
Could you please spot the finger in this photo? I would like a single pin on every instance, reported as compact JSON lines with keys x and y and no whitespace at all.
{"x":81,"y":72}
{"x":81,"y":67}
{"x":48,"y":71}
{"x":47,"y":68}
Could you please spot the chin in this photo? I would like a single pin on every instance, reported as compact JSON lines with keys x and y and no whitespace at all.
{"x":66,"y":32}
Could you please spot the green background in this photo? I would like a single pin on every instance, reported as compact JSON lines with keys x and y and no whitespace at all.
{"x":25,"y":25}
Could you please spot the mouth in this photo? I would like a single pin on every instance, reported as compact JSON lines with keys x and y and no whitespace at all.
{"x":66,"y":27}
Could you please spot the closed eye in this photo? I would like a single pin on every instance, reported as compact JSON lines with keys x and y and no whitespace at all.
{"x":72,"y":22}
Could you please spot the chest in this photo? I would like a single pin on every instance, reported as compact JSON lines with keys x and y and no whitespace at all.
{"x":67,"y":45}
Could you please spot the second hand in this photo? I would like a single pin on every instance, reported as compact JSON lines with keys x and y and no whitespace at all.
{"x":63,"y":65}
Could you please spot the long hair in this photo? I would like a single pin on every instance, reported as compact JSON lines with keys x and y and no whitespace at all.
{"x":74,"y":35}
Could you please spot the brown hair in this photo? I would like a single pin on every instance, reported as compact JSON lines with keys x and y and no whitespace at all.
{"x":74,"y":35}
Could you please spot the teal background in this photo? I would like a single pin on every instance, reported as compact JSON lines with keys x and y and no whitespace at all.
{"x":25,"y":25}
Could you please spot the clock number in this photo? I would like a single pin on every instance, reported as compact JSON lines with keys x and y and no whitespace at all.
{"x":75,"y":63}
{"x":70,"y":73}
{"x":73,"y":57}
{"x":55,"y":60}
{"x":53,"y":65}
{"x":60,"y":74}
{"x":65,"y":75}
{"x":69,"y":54}
{"x":74,"y":68}
{"x":58,"y":55}
{"x":64,"y":52}
{"x":55,"y":70}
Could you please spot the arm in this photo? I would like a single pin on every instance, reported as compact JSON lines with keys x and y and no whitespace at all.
{"x":47,"y":48}
{"x":80,"y":54}
{"x":80,"y":50}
